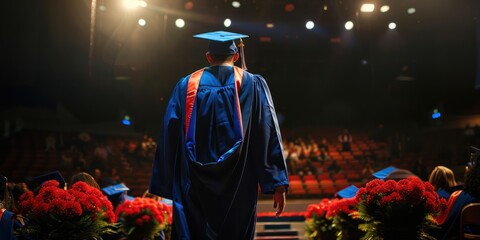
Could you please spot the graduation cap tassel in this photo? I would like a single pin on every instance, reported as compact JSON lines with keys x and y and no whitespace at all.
{"x":242,"y":54}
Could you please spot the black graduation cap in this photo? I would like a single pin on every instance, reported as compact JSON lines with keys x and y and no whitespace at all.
{"x":382,"y":174}
{"x":222,"y":43}
{"x":55,"y":175}
{"x":348,"y":192}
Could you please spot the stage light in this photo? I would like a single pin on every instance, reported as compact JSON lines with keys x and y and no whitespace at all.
{"x":349,"y":25}
{"x":236,"y":4}
{"x":130,"y":4}
{"x":142,"y":22}
{"x":309,"y":25}
{"x":325,"y":7}
{"x":392,"y":25}
{"x":384,"y":8}
{"x":411,"y":10}
{"x":367,"y":7}
{"x":142,"y":4}
{"x":270,"y":25}
{"x":289,"y":7}
{"x":180,"y":23}
{"x":227,"y":22}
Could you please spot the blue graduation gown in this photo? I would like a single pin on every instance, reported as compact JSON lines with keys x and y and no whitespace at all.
{"x":6,"y":226}
{"x":217,"y":145}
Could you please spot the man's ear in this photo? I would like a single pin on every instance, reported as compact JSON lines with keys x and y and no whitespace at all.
{"x":209,"y":58}
{"x":235,"y":57}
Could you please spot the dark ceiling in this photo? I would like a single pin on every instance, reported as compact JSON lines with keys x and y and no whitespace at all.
{"x":322,"y":76}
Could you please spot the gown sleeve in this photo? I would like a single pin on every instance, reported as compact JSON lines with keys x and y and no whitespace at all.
{"x":267,"y":142}
{"x":167,"y":151}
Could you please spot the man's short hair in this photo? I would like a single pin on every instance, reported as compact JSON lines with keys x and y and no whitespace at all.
{"x":221,"y":57}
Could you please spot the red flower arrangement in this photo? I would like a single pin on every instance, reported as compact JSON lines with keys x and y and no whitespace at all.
{"x":54,"y":213}
{"x":317,"y":225}
{"x":403,"y":209}
{"x":144,"y":218}
{"x":345,"y":220}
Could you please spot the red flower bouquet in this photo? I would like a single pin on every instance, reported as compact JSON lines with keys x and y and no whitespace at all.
{"x":345,"y":221}
{"x":54,"y":213}
{"x":144,"y":218}
{"x":317,"y":225}
{"x":398,"y":210}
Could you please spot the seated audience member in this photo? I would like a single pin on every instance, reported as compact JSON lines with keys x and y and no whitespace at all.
{"x":334,"y":168}
{"x":86,"y":178}
{"x":443,"y":180}
{"x":367,"y":170}
{"x":449,"y":220}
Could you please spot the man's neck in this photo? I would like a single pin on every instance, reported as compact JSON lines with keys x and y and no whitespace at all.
{"x":227,"y":64}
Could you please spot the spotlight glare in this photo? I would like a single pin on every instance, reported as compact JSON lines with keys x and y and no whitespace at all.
{"x":180,"y":23}
{"x":384,"y":8}
{"x":236,"y":4}
{"x":349,"y":25}
{"x":102,"y":8}
{"x":270,"y":25}
{"x":142,"y":4}
{"x":367,"y":7}
{"x":392,"y":25}
{"x":411,"y":10}
{"x":130,"y":4}
{"x":227,"y":22}
{"x":309,"y":25}
{"x":142,"y":22}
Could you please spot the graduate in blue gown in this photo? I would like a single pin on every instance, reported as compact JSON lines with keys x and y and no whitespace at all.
{"x":220,"y":140}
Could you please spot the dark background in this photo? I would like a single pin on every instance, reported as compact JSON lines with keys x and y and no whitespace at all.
{"x":320,"y":77}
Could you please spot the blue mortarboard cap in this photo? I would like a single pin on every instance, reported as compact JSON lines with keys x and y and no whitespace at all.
{"x":129,"y":198}
{"x":348,"y":192}
{"x":115,"y":189}
{"x":56,"y":175}
{"x":221,"y":42}
{"x":167,"y":201}
{"x":382,"y":174}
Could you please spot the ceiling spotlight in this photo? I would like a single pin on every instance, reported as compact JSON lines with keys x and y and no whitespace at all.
{"x":309,"y":25}
{"x":270,"y":25}
{"x":384,"y":8}
{"x":142,"y":22}
{"x":349,"y":25}
{"x":367,"y":7}
{"x":392,"y":25}
{"x":411,"y":10}
{"x":325,"y":7}
{"x":180,"y":23}
{"x":227,"y":22}
{"x":236,"y":4}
